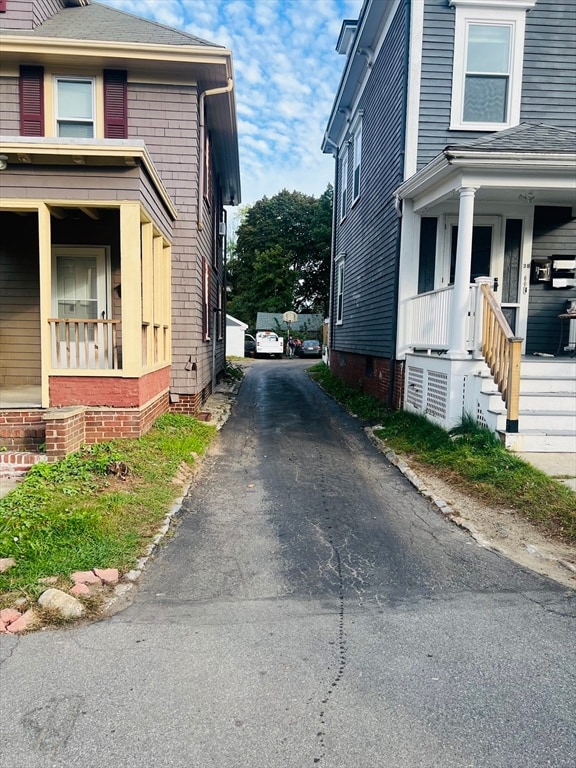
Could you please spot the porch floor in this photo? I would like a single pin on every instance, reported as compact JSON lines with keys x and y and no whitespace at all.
{"x":25,"y":396}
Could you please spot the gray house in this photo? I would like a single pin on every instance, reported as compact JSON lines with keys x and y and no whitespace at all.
{"x":453,"y":279}
{"x":118,"y":152}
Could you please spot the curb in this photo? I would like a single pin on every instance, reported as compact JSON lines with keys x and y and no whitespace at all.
{"x":446,"y":510}
{"x":122,"y":590}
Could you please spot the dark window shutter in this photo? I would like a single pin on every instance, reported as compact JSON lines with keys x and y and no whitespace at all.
{"x":115,"y":104}
{"x":31,"y":101}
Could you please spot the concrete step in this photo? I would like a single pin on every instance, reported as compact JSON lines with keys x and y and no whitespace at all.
{"x":537,"y":441}
{"x":563,"y":384}
{"x":552,"y":402}
{"x":542,"y":421}
{"x":16,"y":463}
{"x":548,"y":367}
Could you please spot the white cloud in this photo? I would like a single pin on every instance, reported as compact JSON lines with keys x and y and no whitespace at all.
{"x":286,"y":75}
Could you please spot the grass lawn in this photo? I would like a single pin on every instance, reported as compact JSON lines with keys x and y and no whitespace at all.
{"x":471,"y":456}
{"x":97,"y":508}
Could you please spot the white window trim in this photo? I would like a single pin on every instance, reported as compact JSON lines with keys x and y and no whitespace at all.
{"x":80,"y":79}
{"x":504,"y":13}
{"x":340,"y":288}
{"x":344,"y":182}
{"x":357,"y":163}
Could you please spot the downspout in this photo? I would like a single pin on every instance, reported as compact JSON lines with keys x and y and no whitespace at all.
{"x":392,"y":385}
{"x":211,"y":92}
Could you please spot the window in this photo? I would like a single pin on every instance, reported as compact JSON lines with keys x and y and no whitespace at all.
{"x":344,"y":183}
{"x":340,"y":289}
{"x":357,"y":162}
{"x":487,"y":69}
{"x":486,"y":82}
{"x":74,"y":105}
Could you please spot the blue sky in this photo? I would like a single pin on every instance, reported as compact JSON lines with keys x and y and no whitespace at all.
{"x":286,"y":70}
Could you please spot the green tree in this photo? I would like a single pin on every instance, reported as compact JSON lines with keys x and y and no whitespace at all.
{"x":281,"y":257}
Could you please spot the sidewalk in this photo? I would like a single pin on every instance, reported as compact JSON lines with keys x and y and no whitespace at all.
{"x":561,"y":466}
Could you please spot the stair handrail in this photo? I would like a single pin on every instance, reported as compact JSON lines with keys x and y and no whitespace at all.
{"x":502,"y":351}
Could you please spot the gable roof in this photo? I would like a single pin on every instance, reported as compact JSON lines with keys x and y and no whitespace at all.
{"x":271,"y":321}
{"x":99,"y":22}
{"x":524,"y":138}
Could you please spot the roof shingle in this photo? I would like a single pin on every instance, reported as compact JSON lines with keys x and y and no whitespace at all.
{"x":526,"y":137}
{"x":100,"y":23}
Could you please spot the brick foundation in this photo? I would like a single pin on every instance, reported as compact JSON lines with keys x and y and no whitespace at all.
{"x":22,"y":430}
{"x":190,"y":404}
{"x":64,"y":430}
{"x":109,"y":391}
{"x":371,"y":375}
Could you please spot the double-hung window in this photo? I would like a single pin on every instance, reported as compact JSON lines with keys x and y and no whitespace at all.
{"x":344,"y":183}
{"x":74,"y":107}
{"x":487,"y":68}
{"x":487,"y":76}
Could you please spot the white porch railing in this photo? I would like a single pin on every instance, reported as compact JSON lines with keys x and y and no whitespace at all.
{"x":83,"y":344}
{"x":429,"y":319}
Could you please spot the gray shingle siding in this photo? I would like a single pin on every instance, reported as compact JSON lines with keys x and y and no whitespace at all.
{"x":369,"y":234}
{"x":25,"y":15}
{"x":166,"y":118}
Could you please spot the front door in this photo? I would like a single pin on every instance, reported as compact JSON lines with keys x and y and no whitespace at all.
{"x":496,"y":253}
{"x":80,"y":298}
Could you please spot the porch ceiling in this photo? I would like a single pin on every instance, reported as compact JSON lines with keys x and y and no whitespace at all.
{"x":510,"y":181}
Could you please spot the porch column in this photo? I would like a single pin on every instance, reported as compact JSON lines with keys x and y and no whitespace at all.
{"x":131,"y":277}
{"x":461,"y":293}
{"x":45,"y":267}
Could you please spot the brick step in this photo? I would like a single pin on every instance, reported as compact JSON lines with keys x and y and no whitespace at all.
{"x":14,"y":463}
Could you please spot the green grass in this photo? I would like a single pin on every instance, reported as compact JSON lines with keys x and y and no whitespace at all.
{"x":77,"y":515}
{"x":469,"y":455}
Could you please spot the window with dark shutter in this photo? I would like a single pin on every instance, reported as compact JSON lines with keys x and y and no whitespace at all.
{"x":31,"y":101}
{"x":115,"y":104}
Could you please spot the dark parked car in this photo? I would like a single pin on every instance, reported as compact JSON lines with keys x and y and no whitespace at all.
{"x":309,"y":348}
{"x":249,"y":345}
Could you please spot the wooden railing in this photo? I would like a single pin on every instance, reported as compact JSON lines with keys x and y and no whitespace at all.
{"x":502,"y":352}
{"x":85,"y":344}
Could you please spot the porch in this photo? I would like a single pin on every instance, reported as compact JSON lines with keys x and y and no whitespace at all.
{"x":530,"y":400}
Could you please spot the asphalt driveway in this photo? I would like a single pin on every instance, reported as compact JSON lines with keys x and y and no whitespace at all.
{"x":311,"y":609}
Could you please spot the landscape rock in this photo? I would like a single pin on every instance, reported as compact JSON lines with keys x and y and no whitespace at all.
{"x":80,"y":589}
{"x":8,"y":615}
{"x":67,"y":606}
{"x":6,"y":563}
{"x":85,"y":577}
{"x":26,"y":621}
{"x":107,"y":575}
